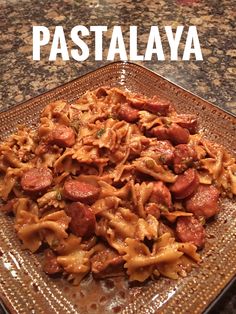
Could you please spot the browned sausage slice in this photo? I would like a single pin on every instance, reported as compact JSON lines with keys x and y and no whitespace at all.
{"x":187,"y":121}
{"x":204,"y":202}
{"x":83,"y":220}
{"x":106,"y":263}
{"x":50,"y":265}
{"x":160,"y":194}
{"x":177,"y":134}
{"x":128,"y":113}
{"x":84,"y":192}
{"x":186,"y":184}
{"x":159,"y":107}
{"x":189,"y":229}
{"x":62,"y":136}
{"x":184,"y":155}
{"x":36,"y":180}
{"x":160,"y":132}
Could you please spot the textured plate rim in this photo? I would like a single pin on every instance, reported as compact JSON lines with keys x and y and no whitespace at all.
{"x":226,"y":282}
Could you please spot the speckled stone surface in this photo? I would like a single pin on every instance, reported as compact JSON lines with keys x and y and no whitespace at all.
{"x":214,"y":78}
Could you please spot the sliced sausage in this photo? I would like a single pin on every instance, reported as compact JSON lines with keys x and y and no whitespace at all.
{"x":101,"y":92}
{"x":189,"y":229}
{"x":161,"y":132}
{"x":184,"y":155}
{"x":157,"y":106}
{"x":62,"y":135}
{"x":136,"y":102}
{"x":106,"y":262}
{"x":84,"y":192}
{"x":185,"y":185}
{"x":83,"y":220}
{"x":50,"y":265}
{"x":128,"y":113}
{"x":187,"y":121}
{"x":36,"y":180}
{"x":160,"y":194}
{"x":204,"y":202}
{"x":177,"y":134}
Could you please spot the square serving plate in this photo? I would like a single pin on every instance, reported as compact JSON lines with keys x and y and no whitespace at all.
{"x":24,"y":288}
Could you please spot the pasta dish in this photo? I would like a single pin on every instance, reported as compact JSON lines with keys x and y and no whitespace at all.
{"x":113,"y":184}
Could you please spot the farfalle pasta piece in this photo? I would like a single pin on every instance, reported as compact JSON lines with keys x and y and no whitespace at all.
{"x":204,"y":177}
{"x":172,"y":216}
{"x":211,"y":148}
{"x":26,"y":213}
{"x":175,"y":269}
{"x":65,"y":163}
{"x":90,"y":155}
{"x":52,"y":224}
{"x":49,"y":158}
{"x":213,"y":165}
{"x":51,"y":199}
{"x":76,"y":262}
{"x":109,"y":190}
{"x":116,"y":227}
{"x":149,"y":166}
{"x":123,"y":221}
{"x":57,"y":111}
{"x":140,"y":261}
{"x":147,"y":228}
{"x":6,"y":186}
{"x":140,"y":195}
{"x":149,"y":120}
{"x":190,"y":250}
{"x":105,"y":204}
{"x":9,"y":181}
{"x":67,"y":245}
{"x":137,"y":258}
{"x":19,"y":148}
{"x":12,"y":159}
{"x":122,"y":172}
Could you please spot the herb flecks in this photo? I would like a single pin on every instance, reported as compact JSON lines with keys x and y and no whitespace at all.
{"x":58,"y":196}
{"x":100,"y":132}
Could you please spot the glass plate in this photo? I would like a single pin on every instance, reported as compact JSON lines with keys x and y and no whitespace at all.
{"x":24,"y":288}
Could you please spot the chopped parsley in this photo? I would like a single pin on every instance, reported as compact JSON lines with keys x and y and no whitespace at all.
{"x":58,"y":196}
{"x":162,"y":159}
{"x":100,"y":132}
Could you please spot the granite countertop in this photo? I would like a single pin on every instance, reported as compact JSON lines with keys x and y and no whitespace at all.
{"x":213,"y":78}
